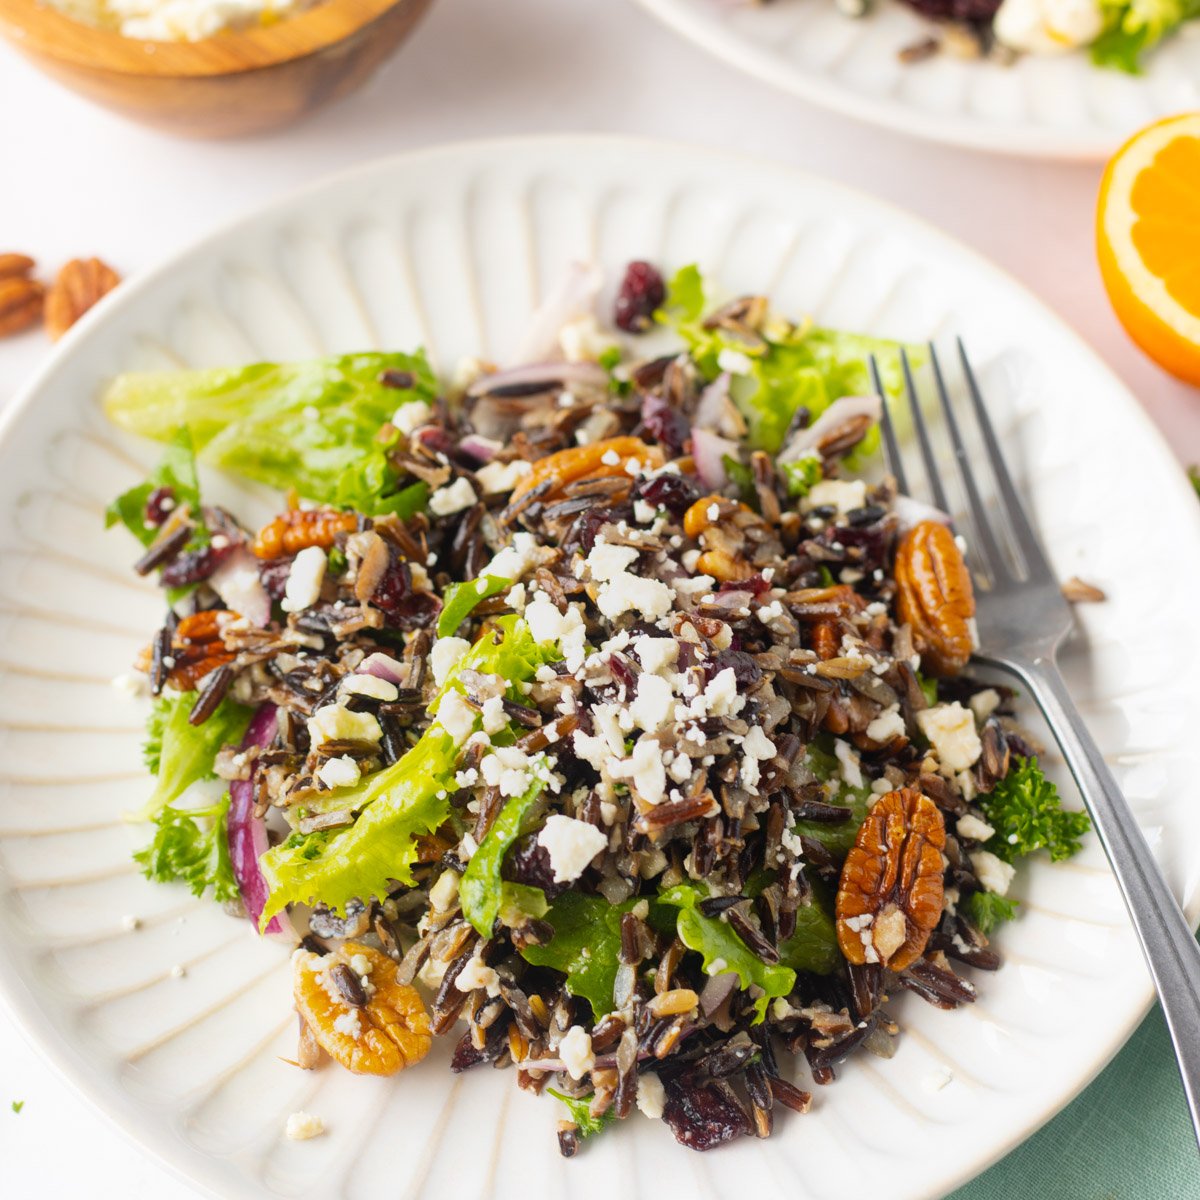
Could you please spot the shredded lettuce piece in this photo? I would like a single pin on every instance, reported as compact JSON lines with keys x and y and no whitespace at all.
{"x":480,"y":891}
{"x":801,"y":474}
{"x":192,"y":846}
{"x":722,"y":949}
{"x":580,"y":1110}
{"x":587,"y":937}
{"x":1026,"y":812}
{"x":837,"y":839}
{"x":310,"y":425}
{"x":461,"y":598}
{"x":792,"y":366}
{"x":1134,"y":27}
{"x":986,"y":910}
{"x":181,"y":754}
{"x":396,"y":805}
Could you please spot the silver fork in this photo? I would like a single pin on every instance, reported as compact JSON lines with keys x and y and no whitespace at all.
{"x":1023,"y":619}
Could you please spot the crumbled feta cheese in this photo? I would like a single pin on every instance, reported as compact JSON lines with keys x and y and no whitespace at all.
{"x":564,"y":629}
{"x":994,"y":873}
{"x":132,"y":683}
{"x":644,"y":512}
{"x":950,"y":729}
{"x":301,"y":1126}
{"x":348,"y":1023}
{"x":756,"y":747}
{"x":476,"y":974}
{"x":304,"y":579}
{"x":1048,"y":26}
{"x":575,"y":1050}
{"x":519,"y":558}
{"x":972,"y":827}
{"x":721,"y":697}
{"x":842,"y":494}
{"x":494,"y":716}
{"x":606,"y":562}
{"x":645,"y":769}
{"x":370,"y":686}
{"x":848,"y":763}
{"x":654,"y":653}
{"x":984,"y":703}
{"x":571,"y":845}
{"x":452,"y":498}
{"x":456,"y":716}
{"x":513,"y":771}
{"x":444,"y":893}
{"x":445,"y":654}
{"x":888,"y":725}
{"x":502,"y":477}
{"x":633,"y":593}
{"x":339,"y":772}
{"x":411,"y":416}
{"x":582,"y":340}
{"x":653,"y":707}
{"x":129,"y":923}
{"x":651,"y":1096}
{"x":335,"y":723}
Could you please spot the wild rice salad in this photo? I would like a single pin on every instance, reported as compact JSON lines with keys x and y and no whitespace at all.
{"x":595,"y":712}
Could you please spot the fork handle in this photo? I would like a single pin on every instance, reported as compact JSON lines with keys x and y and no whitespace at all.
{"x":1167,"y":939}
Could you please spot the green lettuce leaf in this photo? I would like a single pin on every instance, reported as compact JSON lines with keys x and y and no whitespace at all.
{"x":1134,"y":27}
{"x":814,"y":946}
{"x":722,"y":949}
{"x":1026,"y":812}
{"x":796,"y":366}
{"x":310,"y":425}
{"x":395,"y":805}
{"x":191,"y":846}
{"x":800,"y":475}
{"x":587,"y":937}
{"x":461,"y":598}
{"x":580,"y":1109}
{"x":837,"y":839}
{"x":183,"y":754}
{"x":480,"y":889}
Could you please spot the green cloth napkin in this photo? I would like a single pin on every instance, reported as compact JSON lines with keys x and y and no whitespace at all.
{"x":1128,"y":1137}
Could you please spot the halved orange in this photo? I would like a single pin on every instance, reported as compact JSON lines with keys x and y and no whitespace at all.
{"x":1148,"y":241}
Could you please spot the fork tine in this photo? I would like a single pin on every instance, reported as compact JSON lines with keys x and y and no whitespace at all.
{"x":1027,"y":541}
{"x":890,"y":448}
{"x":993,"y":559}
{"x":914,"y":405}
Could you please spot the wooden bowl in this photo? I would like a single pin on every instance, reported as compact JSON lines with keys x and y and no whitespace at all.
{"x":237,"y":82}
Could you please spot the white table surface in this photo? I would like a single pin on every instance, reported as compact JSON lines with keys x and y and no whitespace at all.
{"x":75,"y":181}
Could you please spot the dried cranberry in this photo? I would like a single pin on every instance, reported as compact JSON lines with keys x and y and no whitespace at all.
{"x":665,"y":424}
{"x":582,"y":534}
{"x":675,"y":493}
{"x":528,"y":862}
{"x":274,"y":574}
{"x":159,"y":505}
{"x":745,"y":670}
{"x":703,"y":1115}
{"x":621,"y":670}
{"x":642,"y":292}
{"x":193,"y":566}
{"x":756,"y":585}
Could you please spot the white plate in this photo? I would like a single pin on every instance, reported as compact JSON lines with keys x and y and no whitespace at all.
{"x":1056,"y":106}
{"x":451,"y":248}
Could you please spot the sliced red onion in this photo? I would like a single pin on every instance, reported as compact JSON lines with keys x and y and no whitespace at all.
{"x":550,"y":374}
{"x":479,"y":448}
{"x":247,"y":834}
{"x":710,"y":408}
{"x":382,"y":666}
{"x":238,"y":584}
{"x":708,"y":451}
{"x":574,"y":297}
{"x":838,"y":413}
{"x":912,"y":512}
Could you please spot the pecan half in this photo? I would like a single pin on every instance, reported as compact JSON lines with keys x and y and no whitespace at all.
{"x":80,"y":284}
{"x":198,"y":647}
{"x":889,"y":897}
{"x":934,"y":596}
{"x":21,"y":298}
{"x":299,"y":528}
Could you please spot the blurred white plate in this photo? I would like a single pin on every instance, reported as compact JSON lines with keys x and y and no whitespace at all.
{"x":451,"y":249}
{"x":1057,"y":106}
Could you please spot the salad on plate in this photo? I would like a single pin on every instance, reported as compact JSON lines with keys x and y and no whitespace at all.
{"x":607,"y":713}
